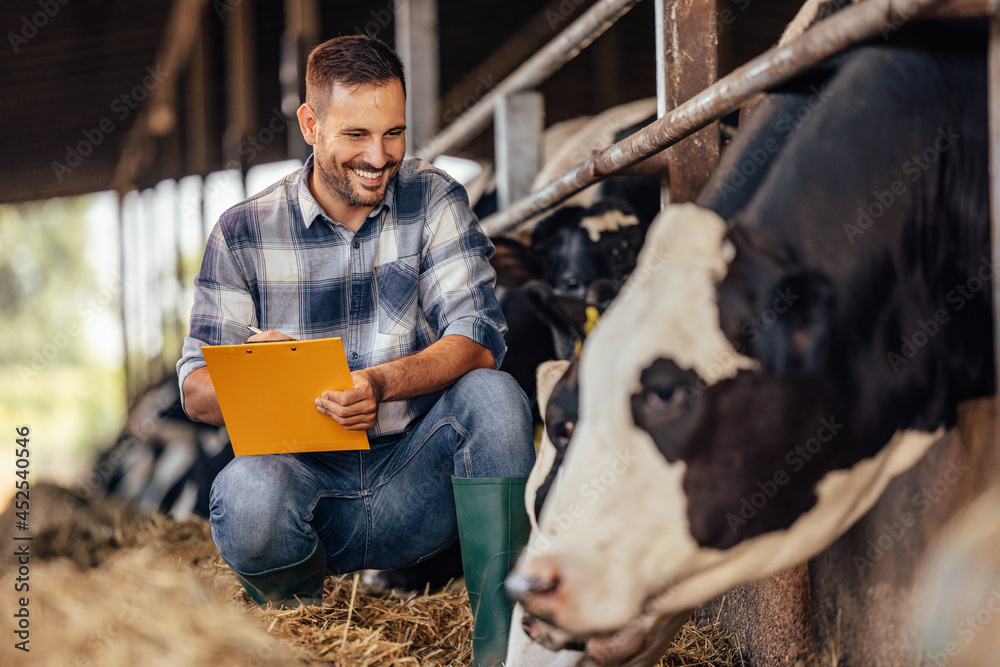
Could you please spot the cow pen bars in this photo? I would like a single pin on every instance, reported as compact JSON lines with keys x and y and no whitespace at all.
{"x":850,"y":26}
{"x":566,"y":46}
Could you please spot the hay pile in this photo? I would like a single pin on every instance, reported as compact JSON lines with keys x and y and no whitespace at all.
{"x":110,"y":587}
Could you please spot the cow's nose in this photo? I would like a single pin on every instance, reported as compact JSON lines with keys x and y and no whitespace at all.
{"x":534,"y":582}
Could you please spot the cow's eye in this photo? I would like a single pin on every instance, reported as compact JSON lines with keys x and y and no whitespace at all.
{"x":561,"y":433}
{"x":570,"y":283}
{"x":666,"y":400}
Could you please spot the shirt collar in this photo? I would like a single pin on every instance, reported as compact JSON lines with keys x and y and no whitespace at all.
{"x":311,"y":209}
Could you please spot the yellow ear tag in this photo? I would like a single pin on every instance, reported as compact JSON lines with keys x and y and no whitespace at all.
{"x":592,"y":316}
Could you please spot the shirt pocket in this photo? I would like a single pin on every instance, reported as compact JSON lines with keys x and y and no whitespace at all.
{"x":396,"y":290}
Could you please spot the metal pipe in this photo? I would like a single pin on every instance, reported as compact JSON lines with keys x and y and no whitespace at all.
{"x":566,"y":46}
{"x":852,"y":25}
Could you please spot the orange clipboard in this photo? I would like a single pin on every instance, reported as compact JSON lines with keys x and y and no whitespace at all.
{"x":267,"y":392}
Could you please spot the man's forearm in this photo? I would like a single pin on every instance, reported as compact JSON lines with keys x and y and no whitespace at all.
{"x":200,"y":401}
{"x":432,"y":369}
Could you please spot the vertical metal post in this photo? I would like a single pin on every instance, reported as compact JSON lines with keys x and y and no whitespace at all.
{"x":519,"y":122}
{"x":417,"y":45}
{"x":687,"y":63}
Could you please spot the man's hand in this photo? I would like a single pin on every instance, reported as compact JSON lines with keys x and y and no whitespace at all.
{"x":269,"y":336}
{"x":355,"y":408}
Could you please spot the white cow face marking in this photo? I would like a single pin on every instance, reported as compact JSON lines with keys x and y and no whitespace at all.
{"x":615,"y":538}
{"x":609,"y":221}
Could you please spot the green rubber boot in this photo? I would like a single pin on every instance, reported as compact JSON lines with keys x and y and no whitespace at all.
{"x":288,"y":587}
{"x":492,"y":528}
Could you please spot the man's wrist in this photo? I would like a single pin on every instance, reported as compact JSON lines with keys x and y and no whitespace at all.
{"x":376,"y":378}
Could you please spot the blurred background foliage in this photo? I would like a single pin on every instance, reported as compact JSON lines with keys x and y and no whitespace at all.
{"x":60,"y":334}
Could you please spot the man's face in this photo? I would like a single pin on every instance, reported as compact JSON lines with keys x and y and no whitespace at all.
{"x":359,"y":142}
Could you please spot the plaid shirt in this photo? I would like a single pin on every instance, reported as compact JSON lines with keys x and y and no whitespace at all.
{"x":416,"y":271}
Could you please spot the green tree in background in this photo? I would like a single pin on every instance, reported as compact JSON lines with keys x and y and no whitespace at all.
{"x":54,"y":302}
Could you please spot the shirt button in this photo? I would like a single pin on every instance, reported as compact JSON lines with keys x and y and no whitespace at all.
{"x":356,"y":245}
{"x":354,"y":355}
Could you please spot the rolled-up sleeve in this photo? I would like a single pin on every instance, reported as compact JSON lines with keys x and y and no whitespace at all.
{"x":456,"y":278}
{"x":223,"y":305}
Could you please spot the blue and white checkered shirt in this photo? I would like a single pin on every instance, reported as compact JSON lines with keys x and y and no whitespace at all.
{"x":417,"y":270}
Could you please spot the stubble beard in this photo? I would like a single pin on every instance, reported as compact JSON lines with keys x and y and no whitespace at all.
{"x":338,"y":181}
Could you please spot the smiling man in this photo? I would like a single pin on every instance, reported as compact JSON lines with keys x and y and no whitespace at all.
{"x":386,"y":254}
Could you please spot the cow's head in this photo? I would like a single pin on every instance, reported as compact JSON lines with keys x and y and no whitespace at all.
{"x":700,"y":459}
{"x":534,"y":643}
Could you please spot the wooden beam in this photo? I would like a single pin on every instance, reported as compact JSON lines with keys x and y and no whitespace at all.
{"x":520,"y":120}
{"x":197,"y":95}
{"x":241,"y":79}
{"x":417,"y":45}
{"x":302,"y":23}
{"x":160,"y":118}
{"x":687,"y":62}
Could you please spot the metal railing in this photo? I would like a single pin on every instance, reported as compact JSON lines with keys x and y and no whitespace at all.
{"x":850,"y":26}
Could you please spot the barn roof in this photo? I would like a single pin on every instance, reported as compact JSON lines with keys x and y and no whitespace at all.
{"x":100,"y":94}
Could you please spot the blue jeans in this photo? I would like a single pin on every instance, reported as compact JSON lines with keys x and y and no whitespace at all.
{"x":385,"y":508}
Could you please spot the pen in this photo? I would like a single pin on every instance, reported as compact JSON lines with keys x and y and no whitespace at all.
{"x":254,"y":329}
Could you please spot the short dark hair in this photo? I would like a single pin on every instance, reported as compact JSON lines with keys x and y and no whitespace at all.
{"x":352,"y":60}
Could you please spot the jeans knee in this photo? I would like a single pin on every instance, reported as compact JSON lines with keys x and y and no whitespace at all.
{"x":496,"y":393}
{"x":496,"y":414}
{"x":250,"y":511}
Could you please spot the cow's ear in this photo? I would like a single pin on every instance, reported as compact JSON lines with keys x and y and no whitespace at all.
{"x":565,"y":314}
{"x":794,"y":322}
{"x":514,"y":262}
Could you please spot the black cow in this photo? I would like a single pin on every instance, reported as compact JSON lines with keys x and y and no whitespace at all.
{"x":786,"y":347}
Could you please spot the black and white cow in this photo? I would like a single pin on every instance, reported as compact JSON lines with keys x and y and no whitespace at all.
{"x":785,"y":348}
{"x":162,"y":461}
